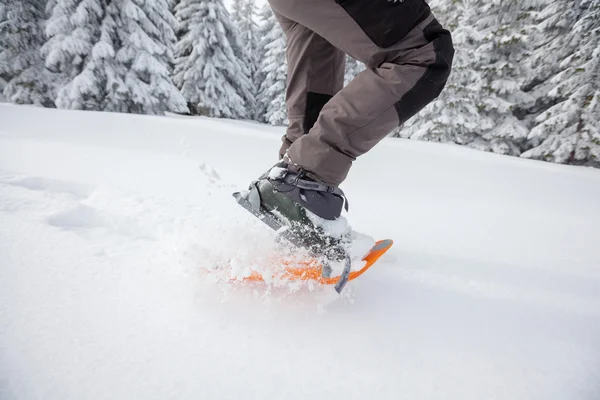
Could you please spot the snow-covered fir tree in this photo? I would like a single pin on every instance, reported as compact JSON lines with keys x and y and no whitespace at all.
{"x":73,"y":50}
{"x":114,"y":55}
{"x":567,"y":85}
{"x":25,"y":79}
{"x":243,"y":15}
{"x":210,"y":74}
{"x":272,"y":70}
{"x":141,"y":36}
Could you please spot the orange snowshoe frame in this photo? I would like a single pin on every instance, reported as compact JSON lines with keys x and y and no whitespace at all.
{"x":312,"y":270}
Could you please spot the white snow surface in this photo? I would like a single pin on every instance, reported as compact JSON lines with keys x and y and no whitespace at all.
{"x":108,"y":223}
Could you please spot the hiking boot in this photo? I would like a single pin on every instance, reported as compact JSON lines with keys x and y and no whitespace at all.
{"x":305,"y":205}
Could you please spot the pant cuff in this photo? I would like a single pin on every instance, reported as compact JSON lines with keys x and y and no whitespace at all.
{"x":326,"y":163}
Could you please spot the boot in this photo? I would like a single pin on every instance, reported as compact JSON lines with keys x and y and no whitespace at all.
{"x":305,"y":205}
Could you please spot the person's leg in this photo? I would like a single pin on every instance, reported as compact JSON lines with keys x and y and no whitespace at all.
{"x":400,"y":79}
{"x":315,"y":74}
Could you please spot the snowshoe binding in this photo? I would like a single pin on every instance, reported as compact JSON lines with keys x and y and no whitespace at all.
{"x":293,"y":204}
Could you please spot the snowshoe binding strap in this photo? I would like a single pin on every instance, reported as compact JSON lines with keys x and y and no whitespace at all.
{"x":295,"y":180}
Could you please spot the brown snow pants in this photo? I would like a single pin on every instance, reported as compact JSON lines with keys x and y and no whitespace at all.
{"x":408,"y":57}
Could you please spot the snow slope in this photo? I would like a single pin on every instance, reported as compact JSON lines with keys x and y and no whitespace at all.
{"x":492,"y":290}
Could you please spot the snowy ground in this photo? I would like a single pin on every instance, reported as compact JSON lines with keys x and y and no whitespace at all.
{"x":492,"y":290}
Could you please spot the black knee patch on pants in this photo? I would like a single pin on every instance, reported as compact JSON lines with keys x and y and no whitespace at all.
{"x":386,"y":22}
{"x":431,"y":84}
{"x":314,"y":104}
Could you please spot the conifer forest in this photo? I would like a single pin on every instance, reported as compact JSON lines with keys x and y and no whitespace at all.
{"x":525,"y":80}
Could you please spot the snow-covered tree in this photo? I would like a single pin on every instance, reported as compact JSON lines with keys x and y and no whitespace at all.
{"x":137,"y":39}
{"x":114,"y":55}
{"x":243,"y":16}
{"x":272,"y":70}
{"x":210,"y":74}
{"x":26,"y":80}
{"x":567,"y":85}
{"x":498,"y":60}
{"x":73,"y":51}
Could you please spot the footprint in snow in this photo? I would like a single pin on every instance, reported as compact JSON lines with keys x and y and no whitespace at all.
{"x":212,"y":175}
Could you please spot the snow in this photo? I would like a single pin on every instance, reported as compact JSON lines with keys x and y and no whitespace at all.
{"x":107,"y":222}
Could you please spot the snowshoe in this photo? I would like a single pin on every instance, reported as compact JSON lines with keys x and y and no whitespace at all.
{"x":297,"y":206}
